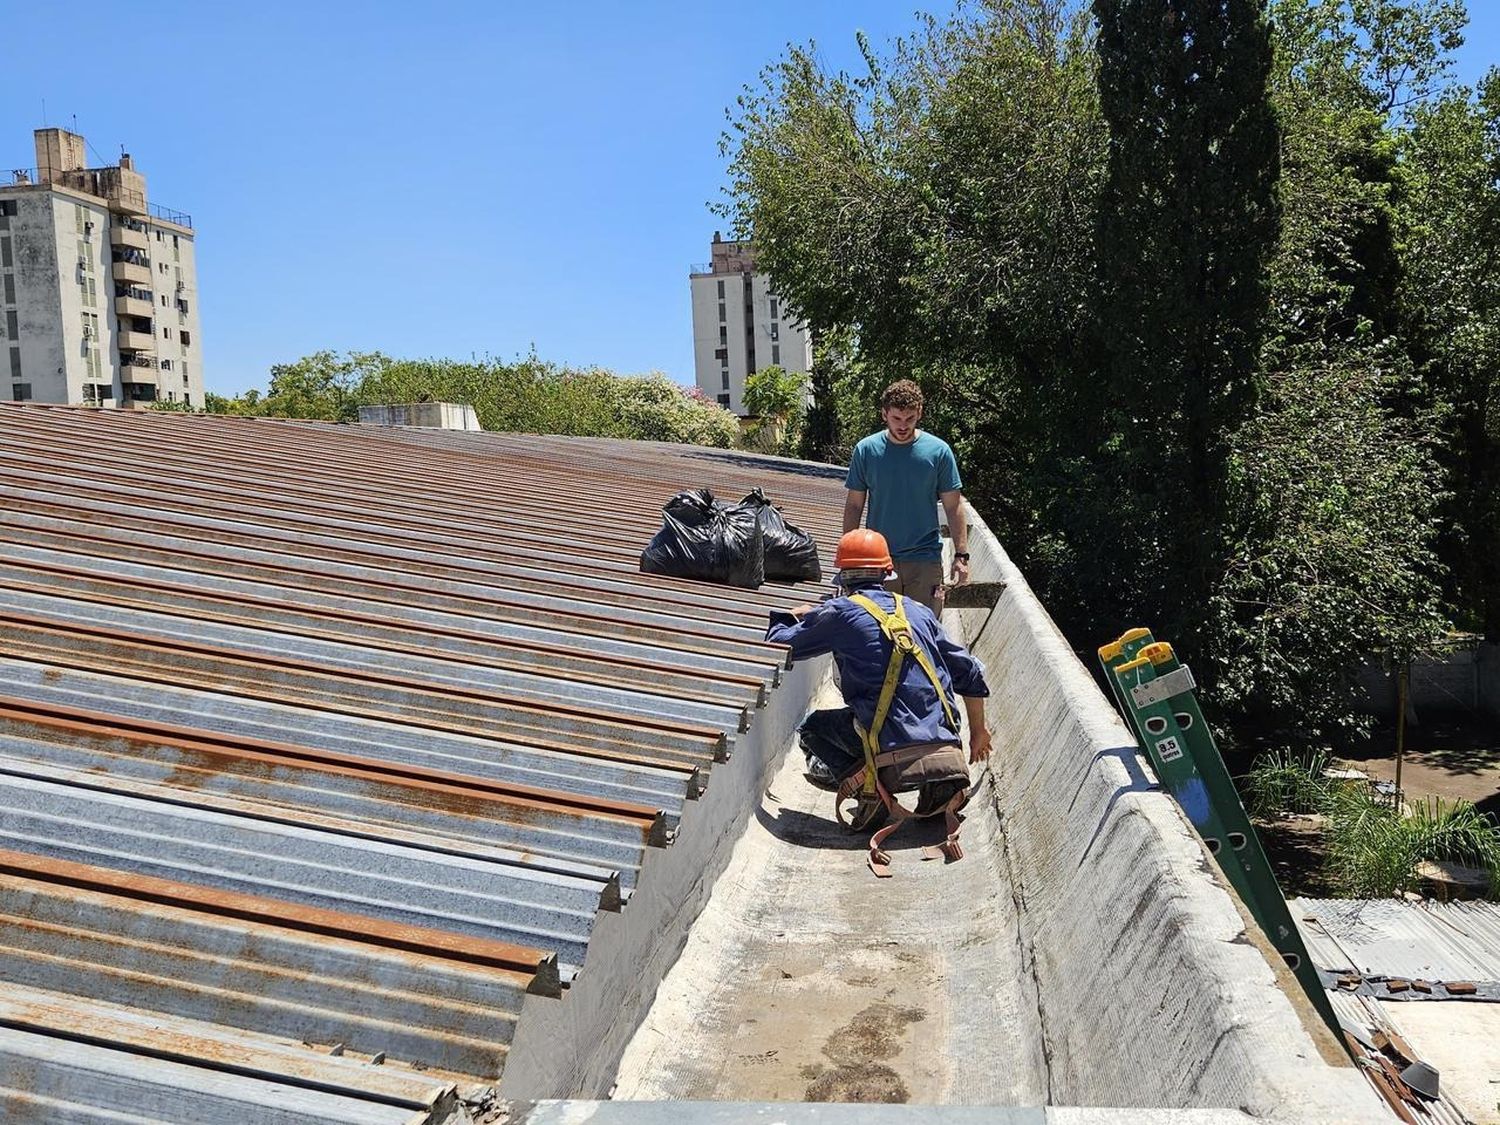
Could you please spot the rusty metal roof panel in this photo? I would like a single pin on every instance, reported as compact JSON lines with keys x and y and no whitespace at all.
{"x":394,"y":738}
{"x":253,"y":964}
{"x":324,"y":734}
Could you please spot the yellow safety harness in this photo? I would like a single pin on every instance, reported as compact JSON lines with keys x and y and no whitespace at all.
{"x":896,"y":629}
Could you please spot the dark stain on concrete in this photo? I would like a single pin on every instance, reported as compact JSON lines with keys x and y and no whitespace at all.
{"x":875,"y":1033}
{"x":862,"y":1082}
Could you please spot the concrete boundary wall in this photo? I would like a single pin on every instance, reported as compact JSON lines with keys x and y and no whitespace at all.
{"x":570,"y":1047}
{"x":1150,"y":990}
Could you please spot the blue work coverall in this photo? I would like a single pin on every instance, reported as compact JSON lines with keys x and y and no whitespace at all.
{"x":862,"y":654}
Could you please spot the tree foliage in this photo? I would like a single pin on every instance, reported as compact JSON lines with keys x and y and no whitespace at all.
{"x":526,"y":396}
{"x":1160,"y":276}
{"x":1188,"y":220}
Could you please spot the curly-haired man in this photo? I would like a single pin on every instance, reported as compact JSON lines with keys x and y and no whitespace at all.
{"x":903,"y":473}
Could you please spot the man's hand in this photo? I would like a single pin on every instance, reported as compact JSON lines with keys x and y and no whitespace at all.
{"x":801,"y":611}
{"x":979,"y":745}
{"x":960,"y":573}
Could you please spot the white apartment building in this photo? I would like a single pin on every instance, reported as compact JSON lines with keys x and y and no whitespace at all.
{"x":739,"y":325}
{"x":98,"y":288}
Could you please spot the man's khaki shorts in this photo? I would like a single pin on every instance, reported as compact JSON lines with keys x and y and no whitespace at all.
{"x":919,"y":580}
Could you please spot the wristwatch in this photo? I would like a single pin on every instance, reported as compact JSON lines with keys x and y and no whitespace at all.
{"x":960,"y":556}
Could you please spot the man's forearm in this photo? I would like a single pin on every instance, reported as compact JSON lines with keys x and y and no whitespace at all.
{"x":974,"y":711}
{"x":854,"y":508}
{"x":958,"y":527}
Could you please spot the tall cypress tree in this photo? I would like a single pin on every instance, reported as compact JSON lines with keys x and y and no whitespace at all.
{"x":1188,"y":222}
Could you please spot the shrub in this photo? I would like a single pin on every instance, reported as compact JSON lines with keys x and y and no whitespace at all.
{"x":1283,"y":782}
{"x":1373,"y":850}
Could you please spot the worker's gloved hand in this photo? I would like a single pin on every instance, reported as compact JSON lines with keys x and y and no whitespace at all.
{"x":979,"y":745}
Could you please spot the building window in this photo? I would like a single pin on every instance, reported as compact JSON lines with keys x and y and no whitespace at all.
{"x":724,"y":401}
{"x":773,"y":308}
{"x":721,"y":284}
{"x":775,"y":331}
{"x":106,"y":390}
{"x":10,"y":289}
{"x":163,"y":300}
{"x":8,"y":209}
{"x":187,"y":399}
{"x":186,"y":338}
{"x":722,"y":316}
{"x":723,"y":336}
{"x":166,"y":333}
{"x":12,"y":325}
{"x":166,"y":365}
{"x":20,"y":392}
{"x":15,"y":363}
{"x":5,"y":253}
{"x":776,"y":354}
{"x":158,"y":236}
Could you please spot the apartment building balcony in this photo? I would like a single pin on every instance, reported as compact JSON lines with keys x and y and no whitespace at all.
{"x":129,"y":236}
{"x":134,"y":306}
{"x":133,"y":341}
{"x":132,"y":272}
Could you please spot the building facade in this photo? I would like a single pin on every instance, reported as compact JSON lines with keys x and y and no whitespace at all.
{"x":98,"y":287}
{"x":740,"y":325}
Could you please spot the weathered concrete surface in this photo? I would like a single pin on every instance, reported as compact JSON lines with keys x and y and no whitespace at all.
{"x":1149,"y":990}
{"x":1086,"y":953}
{"x":806,"y":979}
{"x":742,"y":1113}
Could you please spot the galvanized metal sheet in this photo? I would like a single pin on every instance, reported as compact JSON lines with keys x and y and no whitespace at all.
{"x":412,"y":679}
{"x":1426,"y":940}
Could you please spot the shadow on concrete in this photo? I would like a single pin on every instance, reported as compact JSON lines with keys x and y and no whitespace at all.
{"x":805,"y":830}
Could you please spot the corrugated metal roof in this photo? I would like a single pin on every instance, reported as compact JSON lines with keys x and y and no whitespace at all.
{"x":1421,"y":940}
{"x":316,"y":735}
{"x":1427,"y":941}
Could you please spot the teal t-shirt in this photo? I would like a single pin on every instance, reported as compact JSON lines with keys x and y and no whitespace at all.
{"x":903,"y":483}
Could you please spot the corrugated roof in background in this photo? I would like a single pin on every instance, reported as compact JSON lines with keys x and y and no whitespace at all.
{"x":314,"y":735}
{"x":1425,"y":940}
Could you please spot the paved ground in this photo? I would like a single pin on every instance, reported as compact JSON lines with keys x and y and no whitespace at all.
{"x":1444,"y":758}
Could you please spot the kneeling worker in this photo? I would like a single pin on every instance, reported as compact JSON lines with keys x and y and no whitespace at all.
{"x":899,"y":673}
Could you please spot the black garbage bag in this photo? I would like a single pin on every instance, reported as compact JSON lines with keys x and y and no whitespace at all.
{"x":701,"y":537}
{"x":790,"y":552}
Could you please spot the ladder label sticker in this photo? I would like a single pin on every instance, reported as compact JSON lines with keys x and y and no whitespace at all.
{"x":1169,"y":749}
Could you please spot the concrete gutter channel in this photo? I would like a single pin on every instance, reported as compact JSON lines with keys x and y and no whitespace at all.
{"x":1085,"y":953}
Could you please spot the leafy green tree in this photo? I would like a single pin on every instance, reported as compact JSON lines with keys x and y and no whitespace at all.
{"x":1188,"y":221}
{"x":1449,"y":219}
{"x":526,"y":396}
{"x":935,"y":217}
{"x":777,"y":399}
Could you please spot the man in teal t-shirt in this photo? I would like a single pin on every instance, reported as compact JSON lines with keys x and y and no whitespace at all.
{"x":903,"y":473}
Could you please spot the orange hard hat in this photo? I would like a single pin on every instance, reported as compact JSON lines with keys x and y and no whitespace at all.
{"x":862,"y":549}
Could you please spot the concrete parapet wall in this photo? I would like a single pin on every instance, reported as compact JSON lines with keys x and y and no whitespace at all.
{"x":1460,"y":682}
{"x":1149,"y":988}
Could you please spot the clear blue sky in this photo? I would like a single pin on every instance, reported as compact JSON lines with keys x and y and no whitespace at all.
{"x":437,"y":179}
